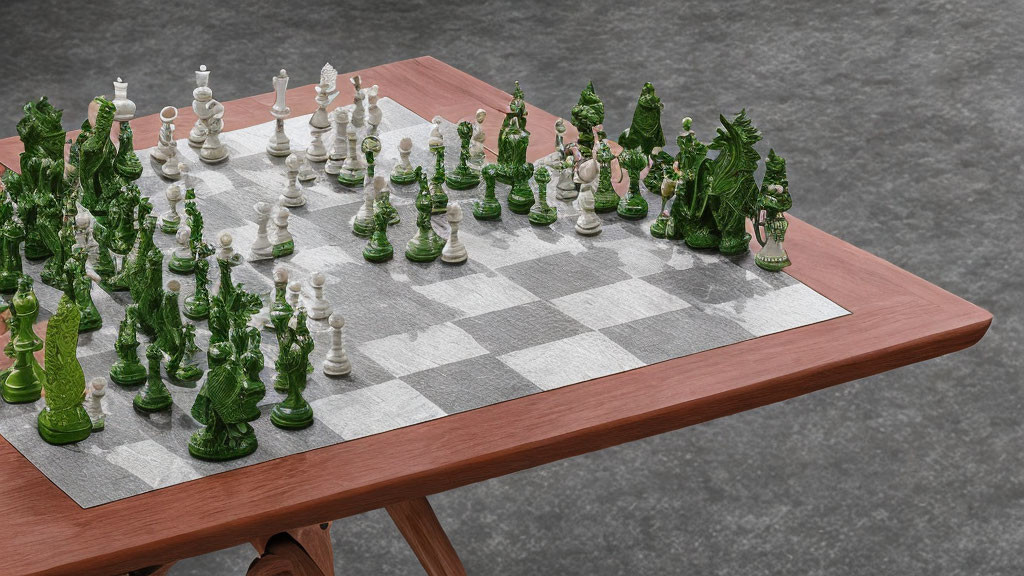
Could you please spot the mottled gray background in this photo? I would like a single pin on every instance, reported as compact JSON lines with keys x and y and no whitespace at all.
{"x":902,"y":124}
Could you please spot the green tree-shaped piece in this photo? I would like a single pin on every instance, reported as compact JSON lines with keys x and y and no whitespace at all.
{"x":127,"y":370}
{"x":463,"y":177}
{"x":378,"y":248}
{"x":197,"y":305}
{"x":153,"y":397}
{"x":770,"y":222}
{"x":645,"y":131}
{"x":64,"y":419}
{"x":79,"y":287}
{"x":509,"y":155}
{"x":488,"y":208}
{"x":605,"y":199}
{"x":587,"y":114}
{"x":294,"y":412}
{"x":25,"y":381}
{"x":227,"y":434}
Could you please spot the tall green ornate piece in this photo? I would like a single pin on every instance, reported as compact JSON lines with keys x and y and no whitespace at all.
{"x":64,"y":419}
{"x":587,"y":114}
{"x":509,"y":154}
{"x":197,"y":305}
{"x":252,"y":361}
{"x":25,"y":381}
{"x":605,"y":198}
{"x":770,"y":222}
{"x":463,"y":177}
{"x":426,"y":246}
{"x":488,"y":208}
{"x":79,"y":286}
{"x":542,"y":214}
{"x":127,"y":370}
{"x":645,"y":131}
{"x":153,"y":397}
{"x":633,"y":206}
{"x":294,"y":412}
{"x":378,"y":248}
{"x":219,"y":406}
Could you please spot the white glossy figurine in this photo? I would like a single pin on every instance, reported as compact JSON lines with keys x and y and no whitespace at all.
{"x":213,"y":150}
{"x":281,"y":233}
{"x":373,"y":113}
{"x":454,"y":251}
{"x":124,"y":109}
{"x":339,"y":151}
{"x":588,"y":223}
{"x":294,"y":292}
{"x":319,"y":308}
{"x":94,"y":403}
{"x":261,"y":246}
{"x":359,"y":112}
{"x":200,"y":96}
{"x":476,"y":142}
{"x":292,"y":195}
{"x":337,"y":362}
{"x":279,"y":145}
{"x":165,"y":139}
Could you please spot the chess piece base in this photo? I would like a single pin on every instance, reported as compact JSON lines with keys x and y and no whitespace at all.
{"x":424,"y":250}
{"x":351,"y":179}
{"x":195,"y":309}
{"x":90,"y":320}
{"x":632,"y":207}
{"x":293,"y":202}
{"x":333,"y":166}
{"x":585,"y":231}
{"x":188,"y":374}
{"x":337,"y":368}
{"x":543,"y":216}
{"x":771,"y":264}
{"x":214,"y":156}
{"x":520,"y":200}
{"x":282,"y":249}
{"x":124,"y":374}
{"x":64,"y":426}
{"x":605,"y":201}
{"x":170,"y":226}
{"x":487,"y":209}
{"x":13,"y":392}
{"x":170,"y":172}
{"x":402,"y":177}
{"x":292,"y":418}
{"x":462,"y":178}
{"x":181,"y":265}
{"x":152,"y":400}
{"x":734,"y":245}
{"x":659,"y":226}
{"x":362,"y":228}
{"x":206,"y":446}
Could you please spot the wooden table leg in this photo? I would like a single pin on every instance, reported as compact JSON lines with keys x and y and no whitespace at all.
{"x":418,"y":524}
{"x":302,"y":552}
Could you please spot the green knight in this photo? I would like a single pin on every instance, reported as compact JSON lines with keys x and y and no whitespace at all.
{"x":25,"y":381}
{"x":101,"y":183}
{"x":79,"y":288}
{"x":294,"y":412}
{"x":127,"y":370}
{"x":770,"y":220}
{"x":64,"y":419}
{"x":219,"y":406}
{"x":587,"y":114}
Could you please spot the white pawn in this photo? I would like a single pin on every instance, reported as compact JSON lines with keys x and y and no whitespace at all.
{"x":226,"y":251}
{"x":261,"y":246}
{"x":172,"y":166}
{"x":281,"y":233}
{"x":337,"y":362}
{"x":166,"y":136}
{"x":373,"y":114}
{"x":454,"y":251}
{"x":404,"y":151}
{"x":339,"y":151}
{"x":476,"y":142}
{"x":294,"y":291}
{"x":436,"y":138}
{"x":170,"y":220}
{"x":306,"y":171}
{"x":358,"y":113}
{"x":319,"y":308}
{"x":94,"y":403}
{"x":183,"y":252}
{"x":292,"y":194}
{"x":83,"y":229}
{"x":589,"y":223}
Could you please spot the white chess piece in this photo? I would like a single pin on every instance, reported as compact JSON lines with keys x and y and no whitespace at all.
{"x":160,"y":154}
{"x":588,"y":223}
{"x":404,"y":151}
{"x":306,"y":171}
{"x":124,"y":109}
{"x":337,"y":363}
{"x":200,"y":96}
{"x":435,"y":139}
{"x":294,"y":292}
{"x":358,"y":113}
{"x":281,"y":233}
{"x":94,"y":403}
{"x":213,"y":150}
{"x":476,"y":142}
{"x":279,"y":145}
{"x":172,"y":166}
{"x":565,"y":188}
{"x":182,"y":251}
{"x":325,"y":90}
{"x":373,"y":113}
{"x":364,"y":216}
{"x":292,"y":195}
{"x":319,"y":308}
{"x":352,"y":168}
{"x":170,"y":220}
{"x":339,"y":151}
{"x":454,"y":251}
{"x":261,"y":246}
{"x":227,"y":250}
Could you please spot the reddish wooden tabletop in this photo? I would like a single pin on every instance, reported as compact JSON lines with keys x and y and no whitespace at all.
{"x":897,"y":319}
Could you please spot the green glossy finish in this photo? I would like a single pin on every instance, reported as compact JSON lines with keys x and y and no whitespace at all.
{"x":383,"y":204}
{"x":681,"y":225}
{"x":520,"y":197}
{"x":64,"y":419}
{"x":426,"y":246}
{"x":661,"y":166}
{"x":26,"y":378}
{"x":488,"y":208}
{"x":668,"y":188}
{"x":170,"y":331}
{"x":605,"y":198}
{"x":101,"y":183}
{"x":252,"y":361}
{"x":402,"y":177}
{"x":633,"y":206}
{"x":370,"y":147}
{"x":463,"y":177}
{"x":180,"y":265}
{"x":11,"y":235}
{"x":379,"y":249}
{"x":770,"y":222}
{"x":510,"y":152}
{"x":729,"y":190}
{"x":197,"y":306}
{"x":645,"y":131}
{"x":542,"y":214}
{"x":587,"y":114}
{"x":294,"y":412}
{"x":127,"y":370}
{"x":353,"y":180}
{"x":80,"y":288}
{"x":146,"y":290}
{"x":153,"y":397}
{"x":283,"y":249}
{"x":220,"y":407}
{"x":438,"y":197}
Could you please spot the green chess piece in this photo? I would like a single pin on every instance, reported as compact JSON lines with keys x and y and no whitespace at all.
{"x":426,"y":246}
{"x":294,"y":412}
{"x":687,"y":218}
{"x":773,"y":201}
{"x":146,"y":289}
{"x":520,"y":197}
{"x":605,"y":199}
{"x":402,"y":173}
{"x":587,"y":114}
{"x":661,"y":166}
{"x":6,"y":307}
{"x":370,"y":147}
{"x":252,"y":361}
{"x":463,"y":177}
{"x":488,"y":208}
{"x":127,"y":370}
{"x":633,"y":206}
{"x":181,"y":261}
{"x":154,"y":396}
{"x":11,"y":235}
{"x":64,"y":419}
{"x":80,"y":288}
{"x":25,"y":380}
{"x":510,"y":153}
{"x":189,"y":371}
{"x":379,"y":249}
{"x":645,"y":131}
{"x":668,"y":189}
{"x":227,"y":434}
{"x":170,"y":329}
{"x":197,"y":305}
{"x":438,"y":197}
{"x":542,"y":214}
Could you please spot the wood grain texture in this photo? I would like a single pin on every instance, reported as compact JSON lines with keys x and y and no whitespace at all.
{"x":304,"y":551}
{"x":418,"y":524}
{"x":897,"y":319}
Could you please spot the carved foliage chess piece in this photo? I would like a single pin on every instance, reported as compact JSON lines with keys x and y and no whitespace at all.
{"x":64,"y":419}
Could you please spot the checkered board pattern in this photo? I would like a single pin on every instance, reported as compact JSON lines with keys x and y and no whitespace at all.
{"x":534,"y":308}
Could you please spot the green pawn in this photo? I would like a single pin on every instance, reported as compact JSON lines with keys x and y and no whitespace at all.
{"x":127,"y":370}
{"x":520,"y":198}
{"x":252,"y":361}
{"x":25,"y":381}
{"x":379,"y":249}
{"x":542,"y":214}
{"x":154,"y":396}
{"x":294,"y":412}
{"x":605,"y":199}
{"x":219,"y":407}
{"x":633,"y":206}
{"x":489,"y":208}
{"x":426,"y":245}
{"x":64,"y":419}
{"x":80,"y":288}
{"x":463,"y":177}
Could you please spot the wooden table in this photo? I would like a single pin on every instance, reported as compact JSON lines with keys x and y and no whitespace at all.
{"x":284,"y":506}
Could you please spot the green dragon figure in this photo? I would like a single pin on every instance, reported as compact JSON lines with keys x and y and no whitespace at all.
{"x":220,"y":408}
{"x":64,"y":419}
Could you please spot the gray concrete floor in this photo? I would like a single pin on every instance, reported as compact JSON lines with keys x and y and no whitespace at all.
{"x":902,"y":126}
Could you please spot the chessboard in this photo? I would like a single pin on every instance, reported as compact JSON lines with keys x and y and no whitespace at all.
{"x":533,"y":309}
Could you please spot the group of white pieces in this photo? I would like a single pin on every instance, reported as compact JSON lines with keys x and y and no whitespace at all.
{"x":586,"y":173}
{"x":336,"y":362}
{"x":205,"y":133}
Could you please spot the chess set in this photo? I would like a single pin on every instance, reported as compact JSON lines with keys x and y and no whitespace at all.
{"x":313,"y":330}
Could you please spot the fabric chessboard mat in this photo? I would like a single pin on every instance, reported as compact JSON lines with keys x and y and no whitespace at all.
{"x":534,"y":308}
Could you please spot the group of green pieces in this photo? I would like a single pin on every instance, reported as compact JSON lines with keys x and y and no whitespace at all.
{"x":40,"y":206}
